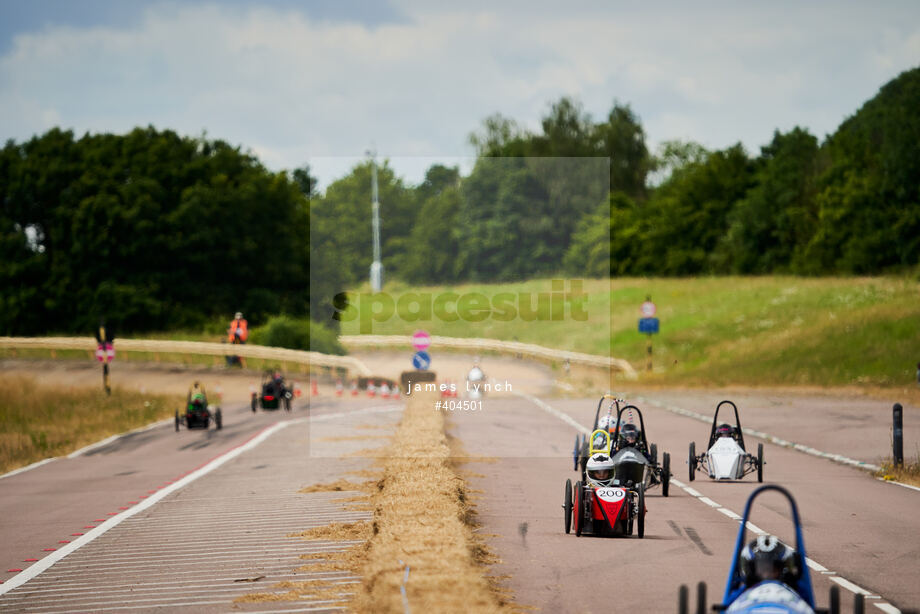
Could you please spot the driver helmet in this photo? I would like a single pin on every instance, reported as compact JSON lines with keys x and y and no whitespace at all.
{"x":604,"y":421}
{"x":767,"y":558}
{"x":238,"y":315}
{"x":725,"y":430}
{"x":629,"y":434}
{"x":599,"y":470}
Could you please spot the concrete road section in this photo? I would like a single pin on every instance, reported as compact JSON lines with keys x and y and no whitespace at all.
{"x":861,"y":530}
{"x":207,"y":541}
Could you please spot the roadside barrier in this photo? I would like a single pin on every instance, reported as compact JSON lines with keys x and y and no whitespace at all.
{"x":514,"y":348}
{"x":156,"y":346}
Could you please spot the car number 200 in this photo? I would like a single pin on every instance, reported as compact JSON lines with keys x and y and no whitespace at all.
{"x":611,"y":494}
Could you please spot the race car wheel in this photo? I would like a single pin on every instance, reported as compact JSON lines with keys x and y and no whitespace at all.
{"x":177,"y":421}
{"x":691,"y":460}
{"x":287,"y":403}
{"x":683,"y":600}
{"x":640,"y":514}
{"x":701,"y":604}
{"x":760,"y":462}
{"x":253,"y":403}
{"x":579,"y":496}
{"x":567,"y":506}
{"x":665,"y":473}
{"x":218,"y":419}
{"x":654,"y":455}
{"x":834,"y":603}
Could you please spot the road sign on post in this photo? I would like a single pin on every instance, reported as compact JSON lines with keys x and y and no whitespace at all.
{"x":648,"y":324}
{"x":421,"y":360}
{"x":421,"y":340}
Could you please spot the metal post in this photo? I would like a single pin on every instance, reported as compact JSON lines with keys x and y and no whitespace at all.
{"x":376,"y":265}
{"x":649,"y":366}
{"x":897,"y":439}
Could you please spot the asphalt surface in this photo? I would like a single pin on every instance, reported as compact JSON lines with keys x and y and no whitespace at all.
{"x":862,"y":531}
{"x":228,"y":503}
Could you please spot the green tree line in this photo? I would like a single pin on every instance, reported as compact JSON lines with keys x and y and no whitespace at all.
{"x":148,"y":230}
{"x":155,"y":231}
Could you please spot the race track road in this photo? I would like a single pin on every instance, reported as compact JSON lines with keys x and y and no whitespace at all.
{"x":865,"y":533}
{"x":183,"y":521}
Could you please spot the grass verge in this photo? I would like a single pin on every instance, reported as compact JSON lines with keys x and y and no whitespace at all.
{"x":41,"y":421}
{"x":908,"y":473}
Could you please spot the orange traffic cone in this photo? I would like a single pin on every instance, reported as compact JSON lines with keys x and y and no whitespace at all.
{"x":314,"y":389}
{"x":371,"y":391}
{"x":354,"y":388}
{"x":338,"y":388}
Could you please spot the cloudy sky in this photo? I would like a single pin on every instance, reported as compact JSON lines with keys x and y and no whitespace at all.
{"x":320,"y":82}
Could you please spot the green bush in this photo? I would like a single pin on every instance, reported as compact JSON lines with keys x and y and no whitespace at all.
{"x":296,"y":334}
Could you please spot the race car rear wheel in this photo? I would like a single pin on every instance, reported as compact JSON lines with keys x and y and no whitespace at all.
{"x":567,"y":506}
{"x":654,"y":454}
{"x":177,"y":420}
{"x":218,"y":419}
{"x":691,"y":460}
{"x":665,"y":473}
{"x":640,"y":514}
{"x":287,"y":403}
{"x":760,"y":462}
{"x":579,"y":496}
{"x":253,"y":402}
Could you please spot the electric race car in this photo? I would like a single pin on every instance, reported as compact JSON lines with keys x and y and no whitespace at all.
{"x":198,"y":413}
{"x":602,"y":506}
{"x":622,"y":436}
{"x":273,"y":393}
{"x":766,"y":575}
{"x":726,"y":457}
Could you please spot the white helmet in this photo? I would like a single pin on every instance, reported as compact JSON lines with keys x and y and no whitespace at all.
{"x":599,"y":470}
{"x":605,"y":421}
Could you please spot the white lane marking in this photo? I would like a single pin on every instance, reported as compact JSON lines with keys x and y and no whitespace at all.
{"x":561,"y":415}
{"x":202,"y":592}
{"x":853,"y":588}
{"x":108,"y":440}
{"x":839,"y":458}
{"x":196,"y":603}
{"x":899,"y":484}
{"x":884,"y":607}
{"x":699,"y":497}
{"x":176,"y":584}
{"x":46,"y":562}
{"x":28,"y":467}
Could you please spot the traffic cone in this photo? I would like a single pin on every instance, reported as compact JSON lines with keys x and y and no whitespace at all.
{"x":314,"y":389}
{"x":370,"y":389}
{"x":384,"y":391}
{"x":338,"y":388}
{"x":354,"y":388}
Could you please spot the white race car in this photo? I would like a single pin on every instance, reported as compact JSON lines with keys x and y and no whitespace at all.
{"x":726,"y":457}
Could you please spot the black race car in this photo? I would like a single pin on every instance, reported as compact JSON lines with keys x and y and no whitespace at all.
{"x":273,"y":393}
{"x":198,"y":413}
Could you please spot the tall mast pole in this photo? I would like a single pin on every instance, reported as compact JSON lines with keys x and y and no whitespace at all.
{"x":376,"y":265}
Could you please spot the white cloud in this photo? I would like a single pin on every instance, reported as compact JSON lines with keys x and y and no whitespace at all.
{"x":295,"y":90}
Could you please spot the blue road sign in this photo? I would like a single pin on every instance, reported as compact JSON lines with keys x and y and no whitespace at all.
{"x":421,"y":360}
{"x":648,"y":325}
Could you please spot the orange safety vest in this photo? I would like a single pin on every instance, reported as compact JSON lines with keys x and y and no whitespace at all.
{"x":242,"y":327}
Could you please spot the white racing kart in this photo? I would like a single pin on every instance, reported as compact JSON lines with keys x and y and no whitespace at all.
{"x":726,"y":457}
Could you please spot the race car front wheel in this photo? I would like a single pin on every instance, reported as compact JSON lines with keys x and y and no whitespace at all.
{"x":760,"y":462}
{"x":567,"y":506}
{"x":691,"y":460}
{"x":665,"y":473}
